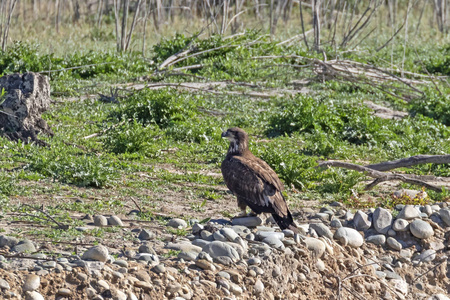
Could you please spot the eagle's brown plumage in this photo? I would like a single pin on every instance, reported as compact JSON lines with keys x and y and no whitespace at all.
{"x":253,"y":181}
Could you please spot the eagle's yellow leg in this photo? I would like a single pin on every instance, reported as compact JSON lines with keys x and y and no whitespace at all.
{"x":241,"y":204}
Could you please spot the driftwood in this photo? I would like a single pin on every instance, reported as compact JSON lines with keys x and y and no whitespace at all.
{"x":411,"y":161}
{"x":380,"y":176}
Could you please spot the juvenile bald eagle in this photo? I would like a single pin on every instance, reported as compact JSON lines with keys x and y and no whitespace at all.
{"x":253,"y":181}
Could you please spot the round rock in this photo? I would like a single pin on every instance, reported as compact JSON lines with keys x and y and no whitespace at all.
{"x":361,"y":221}
{"x":320,"y":265}
{"x":146,"y":234}
{"x":259,"y":287}
{"x":229,"y":234}
{"x":427,"y":209}
{"x":382,"y":220}
{"x":394,"y":244}
{"x":99,"y":253}
{"x":64,"y":292}
{"x":187,"y":255}
{"x":315,"y":245}
{"x":400,"y":225}
{"x":409,"y":212}
{"x":24,"y":246}
{"x":115,"y":221}
{"x":9,"y":241}
{"x":159,"y":269}
{"x":378,"y":239}
{"x":349,"y":236}
{"x":421,"y":229}
{"x":100,"y":220}
{"x":254,"y":261}
{"x":147,"y":247}
{"x":247,"y":221}
{"x":274,"y":242}
{"x":32,"y":283}
{"x":196,"y":228}
{"x":33,"y":296}
{"x":216,"y":249}
{"x":4,"y":284}
{"x":335,"y":223}
{"x":322,"y":230}
{"x":427,"y":255}
{"x":260,"y":235}
{"x":445,"y":215}
{"x":177,"y":223}
{"x":121,"y":263}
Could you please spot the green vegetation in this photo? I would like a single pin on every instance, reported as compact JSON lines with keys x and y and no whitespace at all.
{"x":160,"y":146}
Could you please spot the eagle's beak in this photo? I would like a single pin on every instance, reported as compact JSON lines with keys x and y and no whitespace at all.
{"x":224,"y":134}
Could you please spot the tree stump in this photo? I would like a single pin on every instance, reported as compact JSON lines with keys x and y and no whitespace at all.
{"x":27,"y":97}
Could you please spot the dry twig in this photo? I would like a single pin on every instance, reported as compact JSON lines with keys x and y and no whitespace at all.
{"x":379,"y":176}
{"x":59,"y":224}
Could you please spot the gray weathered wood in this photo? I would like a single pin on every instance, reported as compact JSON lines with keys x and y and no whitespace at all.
{"x":410,"y":161}
{"x":380,"y":176}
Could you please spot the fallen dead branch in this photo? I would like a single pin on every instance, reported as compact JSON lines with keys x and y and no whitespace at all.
{"x":49,"y":217}
{"x":210,"y":88}
{"x":380,"y":176}
{"x":410,"y":161}
{"x":181,"y":56}
{"x":363,"y":74}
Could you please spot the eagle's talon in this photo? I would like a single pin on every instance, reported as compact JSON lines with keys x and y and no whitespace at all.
{"x":243,"y":213}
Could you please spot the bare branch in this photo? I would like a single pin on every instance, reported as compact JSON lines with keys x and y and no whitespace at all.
{"x":410,"y":161}
{"x":380,"y":176}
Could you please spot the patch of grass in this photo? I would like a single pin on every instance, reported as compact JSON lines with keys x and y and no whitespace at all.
{"x":65,"y":166}
{"x":177,"y":231}
{"x":133,"y":137}
{"x":391,"y":202}
{"x":434,"y":105}
{"x":171,"y":253}
{"x":8,"y":185}
{"x":22,"y":57}
{"x":57,"y":235}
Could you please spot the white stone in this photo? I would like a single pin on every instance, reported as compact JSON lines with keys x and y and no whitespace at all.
{"x":445,"y":215}
{"x":33,"y":296}
{"x":177,"y":223}
{"x":247,"y":221}
{"x":394,"y":244}
{"x":32,"y":283}
{"x":259,"y":287}
{"x":427,"y":255}
{"x":409,"y":212}
{"x":349,"y":236}
{"x":382,"y":220}
{"x":115,"y":221}
{"x":400,"y":225}
{"x":216,"y":249}
{"x":100,"y":220}
{"x":361,"y":221}
{"x":98,"y":253}
{"x":421,"y":229}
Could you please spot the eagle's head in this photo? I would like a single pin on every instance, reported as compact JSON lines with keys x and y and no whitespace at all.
{"x":238,"y":140}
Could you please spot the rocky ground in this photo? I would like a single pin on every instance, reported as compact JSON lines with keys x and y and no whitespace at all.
{"x":339,"y":254}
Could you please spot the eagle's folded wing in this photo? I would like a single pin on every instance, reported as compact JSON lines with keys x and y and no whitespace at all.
{"x":256,"y":183}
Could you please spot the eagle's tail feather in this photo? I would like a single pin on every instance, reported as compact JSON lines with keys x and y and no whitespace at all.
{"x":286,"y":222}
